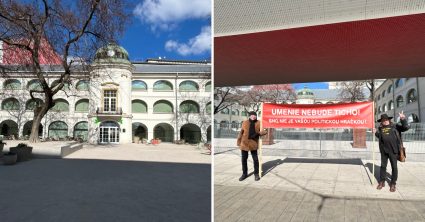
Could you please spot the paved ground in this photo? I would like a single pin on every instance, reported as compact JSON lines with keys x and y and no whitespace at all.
{"x":111,"y":186}
{"x":324,"y":149}
{"x":316,"y":189}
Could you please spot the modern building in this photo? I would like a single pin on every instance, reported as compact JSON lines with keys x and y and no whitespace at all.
{"x":115,"y":101}
{"x":281,"y":41}
{"x":401,"y":94}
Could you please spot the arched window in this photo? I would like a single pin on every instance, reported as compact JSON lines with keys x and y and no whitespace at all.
{"x":162,"y":85}
{"x":34,"y":85}
{"x":188,"y":86}
{"x":244,"y":113}
{"x":379,"y":109}
{"x":398,"y":82}
{"x":10,"y":104}
{"x":225,"y":111}
{"x":224,"y":124}
{"x":58,"y":129}
{"x":208,"y":108}
{"x":391,"y":105}
{"x":390,"y":89}
{"x":61,"y":105}
{"x":139,"y":106}
{"x":82,"y":85}
{"x":400,"y":101}
{"x":81,"y":130}
{"x":379,"y":97}
{"x":32,"y":103}
{"x":411,"y":96}
{"x":383,"y":94}
{"x":189,"y":106}
{"x":208,"y":87}
{"x":384,"y":108}
{"x":65,"y":85}
{"x":163,"y":106}
{"x":138,"y":85}
{"x":82,"y":105}
{"x":12,"y":84}
{"x":235,"y":124}
{"x":413,"y":118}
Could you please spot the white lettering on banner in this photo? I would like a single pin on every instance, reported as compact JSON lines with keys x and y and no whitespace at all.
{"x":354,"y":121}
{"x":285,"y":112}
{"x":349,"y":112}
{"x":315,"y":112}
{"x":325,"y":121}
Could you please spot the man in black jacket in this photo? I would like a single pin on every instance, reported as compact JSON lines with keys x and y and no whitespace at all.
{"x":389,"y":135}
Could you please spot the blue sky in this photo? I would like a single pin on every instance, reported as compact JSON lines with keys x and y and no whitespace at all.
{"x":174,"y":29}
{"x":311,"y":85}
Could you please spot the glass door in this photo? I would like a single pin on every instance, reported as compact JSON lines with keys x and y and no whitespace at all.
{"x":109,"y":132}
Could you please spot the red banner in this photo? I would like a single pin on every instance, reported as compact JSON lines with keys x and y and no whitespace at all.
{"x":346,"y":115}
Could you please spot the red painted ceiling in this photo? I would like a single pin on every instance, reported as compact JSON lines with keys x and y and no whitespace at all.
{"x":378,"y":48}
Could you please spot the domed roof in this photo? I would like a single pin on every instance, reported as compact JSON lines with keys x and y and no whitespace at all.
{"x":111,"y":53}
{"x":305,"y":93}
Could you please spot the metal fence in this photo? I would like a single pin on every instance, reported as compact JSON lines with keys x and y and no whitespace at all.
{"x":330,"y":143}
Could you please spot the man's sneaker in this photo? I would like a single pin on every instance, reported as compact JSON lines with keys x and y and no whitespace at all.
{"x":243,"y":177}
{"x":257,"y":177}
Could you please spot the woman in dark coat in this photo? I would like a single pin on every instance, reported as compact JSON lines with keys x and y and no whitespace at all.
{"x":248,"y":141}
{"x":389,"y":135}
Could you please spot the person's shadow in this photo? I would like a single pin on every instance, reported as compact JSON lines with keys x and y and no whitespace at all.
{"x":376,"y":174}
{"x":270,"y":165}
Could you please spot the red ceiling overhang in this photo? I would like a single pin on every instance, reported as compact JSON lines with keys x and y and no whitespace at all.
{"x":369,"y":49}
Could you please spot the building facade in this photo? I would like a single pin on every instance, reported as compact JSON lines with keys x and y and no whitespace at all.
{"x":402,"y":94}
{"x":115,"y":101}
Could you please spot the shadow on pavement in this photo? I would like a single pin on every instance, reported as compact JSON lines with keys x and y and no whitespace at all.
{"x":270,"y":165}
{"x":369,"y":166}
{"x":353,"y":161}
{"x":105,"y":190}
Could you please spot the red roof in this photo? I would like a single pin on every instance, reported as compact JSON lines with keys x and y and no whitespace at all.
{"x":16,"y":56}
{"x":377,"y":48}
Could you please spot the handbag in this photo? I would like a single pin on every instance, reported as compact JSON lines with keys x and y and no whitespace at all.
{"x":402,"y":150}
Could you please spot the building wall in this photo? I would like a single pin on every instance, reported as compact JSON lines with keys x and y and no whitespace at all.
{"x":402,"y":90}
{"x":122,"y":79}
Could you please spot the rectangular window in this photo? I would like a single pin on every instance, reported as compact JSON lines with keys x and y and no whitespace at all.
{"x":110,"y":100}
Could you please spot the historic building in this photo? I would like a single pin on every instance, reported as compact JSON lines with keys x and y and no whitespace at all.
{"x":115,"y":101}
{"x":402,"y":94}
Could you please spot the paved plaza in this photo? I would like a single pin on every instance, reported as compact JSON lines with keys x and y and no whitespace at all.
{"x":316,"y":189}
{"x":132,"y":182}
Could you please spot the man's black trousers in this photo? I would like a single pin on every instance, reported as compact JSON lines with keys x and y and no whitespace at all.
{"x":393,"y":161}
{"x":245,"y":161}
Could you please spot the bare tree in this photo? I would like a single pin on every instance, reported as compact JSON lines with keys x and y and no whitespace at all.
{"x":275,"y":93}
{"x":352,"y":91}
{"x":55,"y":32}
{"x":16,"y":106}
{"x":224,"y":97}
{"x":190,"y":113}
{"x":370,"y":84}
